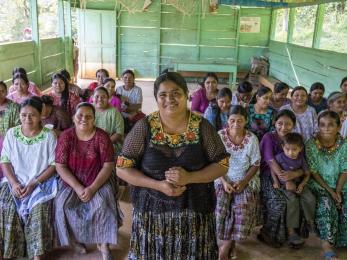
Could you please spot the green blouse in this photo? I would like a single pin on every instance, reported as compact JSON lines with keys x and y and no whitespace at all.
{"x":328,"y":163}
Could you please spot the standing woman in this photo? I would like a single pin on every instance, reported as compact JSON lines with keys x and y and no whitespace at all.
{"x":21,"y":83}
{"x":260,"y":114}
{"x":217,"y":113}
{"x":171,"y":158}
{"x":29,"y":185}
{"x":207,"y":93}
{"x":61,"y":95}
{"x":108,"y":118}
{"x":316,"y":97}
{"x":274,"y":227}
{"x":9,"y":115}
{"x":279,"y":97}
{"x":306,"y":116}
{"x":86,"y":211}
{"x":326,"y":154}
{"x":238,"y":191}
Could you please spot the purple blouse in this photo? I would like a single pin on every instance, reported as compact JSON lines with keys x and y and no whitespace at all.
{"x":270,"y":146}
{"x":200,"y":101}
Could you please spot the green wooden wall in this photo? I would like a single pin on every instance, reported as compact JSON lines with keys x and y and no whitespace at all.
{"x":152,"y":41}
{"x":310,"y":65}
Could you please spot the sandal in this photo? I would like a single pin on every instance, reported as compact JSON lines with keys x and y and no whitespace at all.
{"x":295,"y":241}
{"x":329,"y":255}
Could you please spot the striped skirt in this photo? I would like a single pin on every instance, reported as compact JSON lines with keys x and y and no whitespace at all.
{"x":18,"y":239}
{"x":93,"y":222}
{"x":173,"y":235}
{"x":236,"y":214}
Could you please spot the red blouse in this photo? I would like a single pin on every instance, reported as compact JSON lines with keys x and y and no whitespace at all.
{"x":85,"y":159}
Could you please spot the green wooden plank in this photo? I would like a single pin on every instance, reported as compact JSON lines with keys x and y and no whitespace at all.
{"x":51,"y":46}
{"x":291,"y":20}
{"x":318,"y":26}
{"x":7,"y":65}
{"x":218,"y":38}
{"x":10,"y":51}
{"x":137,"y":35}
{"x":68,"y":38}
{"x":245,"y":53}
{"x":178,"y":37}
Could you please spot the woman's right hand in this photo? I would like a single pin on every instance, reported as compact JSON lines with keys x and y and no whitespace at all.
{"x":171,"y":190}
{"x":228,"y":188}
{"x":336,"y":197}
{"x":17,"y":189}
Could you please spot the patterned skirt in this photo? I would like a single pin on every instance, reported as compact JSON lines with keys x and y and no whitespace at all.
{"x":236,"y":214}
{"x":96,"y":221}
{"x":18,"y":239}
{"x":330,"y":221}
{"x":274,"y":207}
{"x":173,"y":235}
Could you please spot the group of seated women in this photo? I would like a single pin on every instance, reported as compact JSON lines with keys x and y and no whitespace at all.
{"x":201,"y":178}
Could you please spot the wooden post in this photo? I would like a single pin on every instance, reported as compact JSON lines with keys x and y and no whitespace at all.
{"x":292,"y":13}
{"x":36,"y":40}
{"x":198,"y":34}
{"x":318,"y":26}
{"x":159,"y":41}
{"x":67,"y":22}
{"x":273,"y":25}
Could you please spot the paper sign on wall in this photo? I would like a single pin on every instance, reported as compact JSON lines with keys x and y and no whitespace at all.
{"x":250,"y":24}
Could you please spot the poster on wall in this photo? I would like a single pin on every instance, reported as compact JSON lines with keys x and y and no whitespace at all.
{"x":250,"y":24}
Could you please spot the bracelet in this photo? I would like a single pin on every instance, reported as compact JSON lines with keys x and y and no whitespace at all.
{"x":37,"y":181}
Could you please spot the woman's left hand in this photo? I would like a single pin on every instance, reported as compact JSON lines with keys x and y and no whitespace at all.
{"x":177,"y":176}
{"x":239,"y":186}
{"x":87,"y":194}
{"x":27,"y":190}
{"x":289,"y":175}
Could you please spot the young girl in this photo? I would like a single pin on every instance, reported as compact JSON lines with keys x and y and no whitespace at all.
{"x":243,"y":95}
{"x":21,"y":83}
{"x":217,"y":114}
{"x":279,"y":97}
{"x":115,"y":99}
{"x":316,"y":99}
{"x":238,"y":191}
{"x":326,"y":155}
{"x":260,"y":113}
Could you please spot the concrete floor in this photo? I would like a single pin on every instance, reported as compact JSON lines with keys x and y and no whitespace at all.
{"x":251,"y":249}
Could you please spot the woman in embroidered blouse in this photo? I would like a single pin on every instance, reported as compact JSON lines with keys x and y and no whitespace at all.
{"x":217,"y":113}
{"x":279,"y":97}
{"x":171,"y":158}
{"x":260,"y":114}
{"x":73,"y":88}
{"x":21,"y":83}
{"x":204,"y":95}
{"x":9,"y":115}
{"x":327,"y":157}
{"x":29,"y":185}
{"x":85,"y":208}
{"x":108,"y":118}
{"x":238,"y":191}
{"x":243,"y":95}
{"x":54,"y":117}
{"x":33,"y":89}
{"x":62,"y":97}
{"x":274,"y":228}
{"x":306,"y":116}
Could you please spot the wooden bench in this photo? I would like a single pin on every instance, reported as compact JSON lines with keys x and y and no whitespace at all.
{"x":208,"y":66}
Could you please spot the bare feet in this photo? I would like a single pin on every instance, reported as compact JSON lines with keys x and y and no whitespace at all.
{"x":224,"y":249}
{"x":79,"y":248}
{"x":329,"y":253}
{"x":105,"y":252}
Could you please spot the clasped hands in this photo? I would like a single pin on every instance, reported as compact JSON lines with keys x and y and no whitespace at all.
{"x":236,"y":187}
{"x":176,"y":179}
{"x":85,"y":194}
{"x":21,"y":191}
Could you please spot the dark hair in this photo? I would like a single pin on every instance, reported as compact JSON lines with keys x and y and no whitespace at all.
{"x":65,"y":93}
{"x":287,"y":113}
{"x":224,"y":92}
{"x":244,"y":87}
{"x":333,"y":96}
{"x":331,"y":114}
{"x":107,"y":80}
{"x":85,"y":94}
{"x":102,"y":71}
{"x":86,"y":104}
{"x":66,"y":74}
{"x":18,"y":70}
{"x":293,"y":138}
{"x":260,"y":92}
{"x":317,"y":85}
{"x":280,"y":86}
{"x":2,"y":83}
{"x":34,"y":102}
{"x":102,"y":89}
{"x":297,"y":89}
{"x":212,"y":75}
{"x":20,"y":76}
{"x":239,"y":110}
{"x":128,"y":72}
{"x":47,"y":100}
{"x":343,"y":81}
{"x":173,"y":77}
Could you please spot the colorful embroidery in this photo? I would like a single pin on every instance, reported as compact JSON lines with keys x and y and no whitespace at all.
{"x":123,"y":162}
{"x":30,"y":140}
{"x":231,"y":145}
{"x":224,"y":162}
{"x":331,"y":150}
{"x":191,"y":136}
